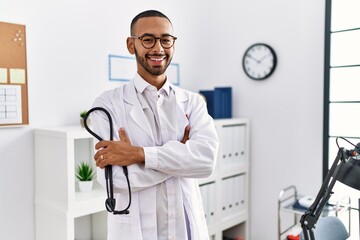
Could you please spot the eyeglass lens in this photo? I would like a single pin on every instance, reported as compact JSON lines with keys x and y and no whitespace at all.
{"x":150,"y":41}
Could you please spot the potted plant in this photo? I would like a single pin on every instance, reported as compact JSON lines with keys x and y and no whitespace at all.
{"x":85,"y":173}
{"x":82,"y":116}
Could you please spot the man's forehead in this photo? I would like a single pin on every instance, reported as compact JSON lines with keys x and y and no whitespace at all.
{"x":157,"y":24}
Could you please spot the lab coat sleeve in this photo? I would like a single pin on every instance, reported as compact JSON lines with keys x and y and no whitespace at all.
{"x":197,"y":157}
{"x":139,"y":176}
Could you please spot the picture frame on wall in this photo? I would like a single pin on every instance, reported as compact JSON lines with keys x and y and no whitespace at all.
{"x":123,"y":68}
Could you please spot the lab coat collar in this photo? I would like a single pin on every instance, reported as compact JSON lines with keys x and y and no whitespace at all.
{"x":130,"y":92}
{"x":141,"y":85}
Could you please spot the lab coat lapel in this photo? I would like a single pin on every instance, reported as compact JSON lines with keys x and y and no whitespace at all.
{"x":136,"y":112}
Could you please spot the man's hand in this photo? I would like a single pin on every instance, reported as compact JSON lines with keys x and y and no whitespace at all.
{"x":186,"y":134}
{"x":120,"y":153}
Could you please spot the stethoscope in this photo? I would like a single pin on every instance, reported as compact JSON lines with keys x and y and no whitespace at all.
{"x":110,"y":201}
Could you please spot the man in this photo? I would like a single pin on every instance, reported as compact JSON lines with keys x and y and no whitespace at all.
{"x":166,"y":138}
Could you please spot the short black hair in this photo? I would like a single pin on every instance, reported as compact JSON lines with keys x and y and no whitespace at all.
{"x":147,"y":13}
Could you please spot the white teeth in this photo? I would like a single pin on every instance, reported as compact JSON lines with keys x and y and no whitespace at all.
{"x":157,"y":59}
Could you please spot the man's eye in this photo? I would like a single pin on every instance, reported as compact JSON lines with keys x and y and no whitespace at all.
{"x":148,"y":40}
{"x":166,"y":40}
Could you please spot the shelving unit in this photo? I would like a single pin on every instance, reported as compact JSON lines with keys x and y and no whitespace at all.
{"x":226,"y":192}
{"x":289,"y":216}
{"x":60,"y":209}
{"x":62,"y":212}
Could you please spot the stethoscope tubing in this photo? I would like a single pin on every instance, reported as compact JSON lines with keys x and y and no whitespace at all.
{"x":110,"y":202}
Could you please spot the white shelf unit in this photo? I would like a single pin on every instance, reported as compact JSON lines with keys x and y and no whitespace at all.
{"x":63,"y":213}
{"x":226,"y":192}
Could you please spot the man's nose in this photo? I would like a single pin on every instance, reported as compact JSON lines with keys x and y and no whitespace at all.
{"x":158,"y":45}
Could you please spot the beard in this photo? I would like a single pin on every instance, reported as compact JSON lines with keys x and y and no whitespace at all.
{"x":153,"y":70}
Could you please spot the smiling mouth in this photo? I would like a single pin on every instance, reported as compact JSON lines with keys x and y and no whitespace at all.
{"x":157,"y":58}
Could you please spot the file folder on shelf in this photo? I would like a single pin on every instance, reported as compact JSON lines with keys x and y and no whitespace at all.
{"x":212,"y":203}
{"x":223,"y":97}
{"x":232,"y":145}
{"x":209,"y":96}
{"x":204,"y":196}
{"x":233,"y":196}
{"x":208,"y":195}
{"x":224,"y":193}
{"x":218,"y":102}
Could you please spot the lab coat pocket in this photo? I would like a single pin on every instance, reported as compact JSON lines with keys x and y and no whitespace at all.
{"x":120,"y":219}
{"x":124,"y":226}
{"x":122,"y":202}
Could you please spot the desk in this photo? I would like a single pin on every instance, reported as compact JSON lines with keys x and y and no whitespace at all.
{"x":288,"y":196}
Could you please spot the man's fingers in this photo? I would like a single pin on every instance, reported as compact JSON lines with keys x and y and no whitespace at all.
{"x":101,"y":144}
{"x":186,"y":134}
{"x":122,"y":135}
{"x":187,"y":131}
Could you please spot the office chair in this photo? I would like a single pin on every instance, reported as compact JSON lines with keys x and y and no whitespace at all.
{"x":329,"y":228}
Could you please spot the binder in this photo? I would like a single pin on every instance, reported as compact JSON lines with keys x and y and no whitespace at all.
{"x":227,"y":142}
{"x":227,"y":198}
{"x":242,"y":143}
{"x":209,"y":96}
{"x":238,"y":192}
{"x":232,"y":148}
{"x":232,"y":191}
{"x":204,"y":196}
{"x":239,"y":146}
{"x":222,"y":154}
{"x":223,"y":101}
{"x":242,"y":189}
{"x":224,"y":198}
{"x":218,"y":102}
{"x":211,"y":203}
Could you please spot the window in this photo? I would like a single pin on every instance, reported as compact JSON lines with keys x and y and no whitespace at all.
{"x":342,"y":89}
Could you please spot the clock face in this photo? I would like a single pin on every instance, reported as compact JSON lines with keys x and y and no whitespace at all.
{"x":259,"y":61}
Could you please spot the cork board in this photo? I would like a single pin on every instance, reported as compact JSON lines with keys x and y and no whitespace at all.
{"x":13,"y":75}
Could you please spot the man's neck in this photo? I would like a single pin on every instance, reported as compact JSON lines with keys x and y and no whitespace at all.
{"x":156,"y":81}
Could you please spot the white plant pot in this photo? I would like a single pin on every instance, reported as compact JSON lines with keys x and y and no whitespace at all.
{"x":82,"y":122}
{"x":85,"y":186}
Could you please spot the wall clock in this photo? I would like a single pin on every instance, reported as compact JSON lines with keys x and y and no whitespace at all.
{"x":259,"y":61}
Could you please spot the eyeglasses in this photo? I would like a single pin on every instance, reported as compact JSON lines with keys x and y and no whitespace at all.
{"x":148,"y":41}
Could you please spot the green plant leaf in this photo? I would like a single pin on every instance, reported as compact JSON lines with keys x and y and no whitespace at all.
{"x":84,"y":172}
{"x":83,"y":113}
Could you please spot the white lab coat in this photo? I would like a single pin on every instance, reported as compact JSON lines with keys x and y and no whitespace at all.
{"x":178,"y":164}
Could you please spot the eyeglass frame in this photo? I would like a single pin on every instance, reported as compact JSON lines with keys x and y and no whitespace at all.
{"x":156,"y":38}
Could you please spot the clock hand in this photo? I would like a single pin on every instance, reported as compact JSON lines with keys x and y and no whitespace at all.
{"x":261,"y":59}
{"x":253,"y":58}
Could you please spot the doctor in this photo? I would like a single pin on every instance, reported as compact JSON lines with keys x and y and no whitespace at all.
{"x":165,"y":137}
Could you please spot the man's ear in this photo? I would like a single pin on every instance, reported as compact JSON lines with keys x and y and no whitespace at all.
{"x":130,"y":45}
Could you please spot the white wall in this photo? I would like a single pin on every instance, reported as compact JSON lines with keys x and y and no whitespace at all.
{"x":285,"y":110}
{"x":67,"y":47}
